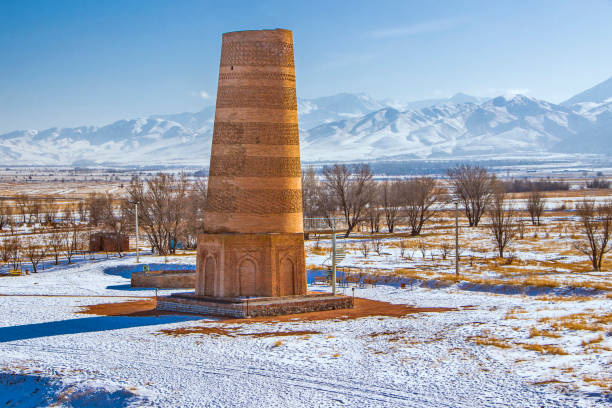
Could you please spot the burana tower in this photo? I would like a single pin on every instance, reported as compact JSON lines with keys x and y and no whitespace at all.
{"x":254,"y":243}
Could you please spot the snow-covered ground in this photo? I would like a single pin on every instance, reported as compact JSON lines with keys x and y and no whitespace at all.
{"x":49,"y":353}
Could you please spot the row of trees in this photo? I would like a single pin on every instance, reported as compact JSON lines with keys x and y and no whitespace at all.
{"x":350,"y":190}
{"x":15,"y":250}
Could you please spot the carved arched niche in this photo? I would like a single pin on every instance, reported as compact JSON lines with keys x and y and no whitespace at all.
{"x":210,"y":271}
{"x":286,"y":277}
{"x":247,"y":272}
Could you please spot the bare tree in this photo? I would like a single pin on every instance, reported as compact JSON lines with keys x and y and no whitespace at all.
{"x":49,"y":210}
{"x":23,"y":204}
{"x":34,"y":252}
{"x":364,"y":247}
{"x":596,"y":223}
{"x":310,"y":192}
{"x":373,"y":216}
{"x":116,"y":220}
{"x":502,"y":220}
{"x":473,"y":186}
{"x":162,"y":208}
{"x":35,"y":208}
{"x":5,"y":254}
{"x":5,"y":214}
{"x":445,"y":249}
{"x":13,"y":249}
{"x":352,"y":187}
{"x":55,"y":243}
{"x":377,"y":245}
{"x":193,"y":224}
{"x":535,"y":206}
{"x":419,"y":196}
{"x":70,"y":243}
{"x":390,"y":202}
{"x":82,"y":210}
{"x":95,"y":205}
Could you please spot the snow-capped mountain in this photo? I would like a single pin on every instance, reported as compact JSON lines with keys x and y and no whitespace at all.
{"x":500,"y":125}
{"x":600,"y":93}
{"x":343,"y":127}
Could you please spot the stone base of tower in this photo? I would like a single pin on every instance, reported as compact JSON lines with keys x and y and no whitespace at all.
{"x":252,"y":307}
{"x":256,"y":265}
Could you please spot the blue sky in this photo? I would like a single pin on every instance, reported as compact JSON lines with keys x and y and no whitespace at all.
{"x":70,"y":63}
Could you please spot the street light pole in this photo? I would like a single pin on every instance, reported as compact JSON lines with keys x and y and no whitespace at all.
{"x":456,"y":238}
{"x":137,"y":252}
{"x":333,"y":283}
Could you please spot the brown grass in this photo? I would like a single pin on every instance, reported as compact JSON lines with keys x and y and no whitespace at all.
{"x":545,"y":349}
{"x":594,"y":340}
{"x":491,"y":341}
{"x":603,"y":383}
{"x":534,"y":332}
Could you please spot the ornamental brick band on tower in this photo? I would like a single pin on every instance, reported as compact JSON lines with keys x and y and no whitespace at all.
{"x":254,"y":242}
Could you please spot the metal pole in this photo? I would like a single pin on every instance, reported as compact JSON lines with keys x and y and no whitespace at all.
{"x":137,"y":252}
{"x":333,"y":257}
{"x":456,"y":238}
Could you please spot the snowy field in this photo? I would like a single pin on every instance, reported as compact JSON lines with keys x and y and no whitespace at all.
{"x":51,"y":354}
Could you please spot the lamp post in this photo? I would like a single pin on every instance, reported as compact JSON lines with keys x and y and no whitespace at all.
{"x":456,"y":237}
{"x":333,"y":282}
{"x":136,"y":215}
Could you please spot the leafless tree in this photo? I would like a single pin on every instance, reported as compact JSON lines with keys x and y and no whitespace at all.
{"x":70,"y":241}
{"x":70,"y":214}
{"x":162,"y":208}
{"x":535,"y":206}
{"x":473,"y":186}
{"x":193,"y":224}
{"x":35,"y":208}
{"x":5,"y":214}
{"x":23,"y":204}
{"x":96,"y":204}
{"x":423,"y":248}
{"x":377,"y":245}
{"x":82,"y":210}
{"x":390,"y":192}
{"x":352,"y":187}
{"x":402,"y":246}
{"x":419,"y":197}
{"x":13,"y":249}
{"x":55,"y":243}
{"x":116,"y":220}
{"x":596,"y":223}
{"x":502,"y":220}
{"x":5,"y":255}
{"x":49,"y":210}
{"x":520,"y":227}
{"x":445,"y":249}
{"x":310,"y":192}
{"x":373,"y":217}
{"x":364,"y":247}
{"x":34,"y":252}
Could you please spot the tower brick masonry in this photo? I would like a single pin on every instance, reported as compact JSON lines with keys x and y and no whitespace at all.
{"x":254,"y":242}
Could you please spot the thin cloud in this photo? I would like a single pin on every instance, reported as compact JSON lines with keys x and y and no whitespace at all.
{"x":419,"y":28}
{"x":204,"y":95}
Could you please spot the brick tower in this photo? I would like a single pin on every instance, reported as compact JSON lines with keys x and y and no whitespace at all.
{"x":254,"y":241}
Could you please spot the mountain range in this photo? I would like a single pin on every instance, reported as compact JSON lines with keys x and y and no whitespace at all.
{"x":345,"y":127}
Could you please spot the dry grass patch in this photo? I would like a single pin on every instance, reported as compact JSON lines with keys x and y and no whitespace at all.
{"x":603,"y":383}
{"x":546,"y":298}
{"x":491,"y":341}
{"x":581,"y":321}
{"x":594,"y":340}
{"x":545,"y":349}
{"x":535,"y":332}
